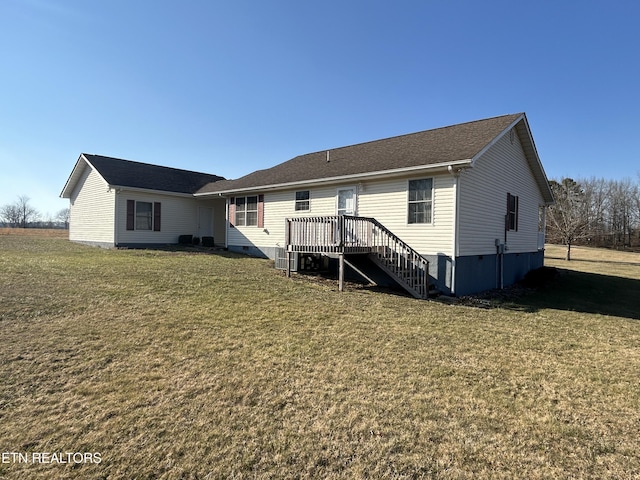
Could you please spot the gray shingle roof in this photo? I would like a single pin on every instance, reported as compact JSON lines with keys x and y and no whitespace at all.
{"x":126,"y":173}
{"x":438,"y":146}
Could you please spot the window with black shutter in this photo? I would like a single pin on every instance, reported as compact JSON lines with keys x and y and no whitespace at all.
{"x":512,"y":212}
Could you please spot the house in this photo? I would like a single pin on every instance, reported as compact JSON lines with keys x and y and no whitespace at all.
{"x":461,"y":207}
{"x":120,"y":203}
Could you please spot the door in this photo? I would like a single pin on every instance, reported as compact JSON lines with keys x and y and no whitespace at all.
{"x":205,"y":222}
{"x":346,"y":201}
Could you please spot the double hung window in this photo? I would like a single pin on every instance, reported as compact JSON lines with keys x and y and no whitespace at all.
{"x":143,"y":215}
{"x":246,"y":211}
{"x":420,"y":200}
{"x":302,"y":201}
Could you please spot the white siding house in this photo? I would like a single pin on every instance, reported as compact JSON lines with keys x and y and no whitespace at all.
{"x":92,"y":207}
{"x":120,"y":203}
{"x":459,"y":206}
{"x":480,"y":227}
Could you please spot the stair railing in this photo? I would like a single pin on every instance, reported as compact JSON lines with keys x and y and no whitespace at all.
{"x":345,"y":233}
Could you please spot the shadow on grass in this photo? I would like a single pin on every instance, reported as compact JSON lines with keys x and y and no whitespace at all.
{"x":585,"y":292}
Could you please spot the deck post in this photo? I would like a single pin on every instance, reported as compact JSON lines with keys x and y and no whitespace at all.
{"x":287,"y":241}
{"x":341,"y":272}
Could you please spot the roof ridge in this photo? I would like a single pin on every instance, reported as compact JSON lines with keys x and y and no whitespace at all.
{"x":412,"y":133}
{"x":148,"y":164}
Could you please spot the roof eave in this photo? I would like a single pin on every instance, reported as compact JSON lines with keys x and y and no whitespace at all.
{"x":343,"y":178}
{"x":75,"y":175}
{"x":119,"y":188}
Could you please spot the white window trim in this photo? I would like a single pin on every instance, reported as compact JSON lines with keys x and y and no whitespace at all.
{"x":295,"y":201}
{"x":356,"y":194}
{"x":245,"y":211}
{"x":433,"y":191}
{"x":135,"y":217}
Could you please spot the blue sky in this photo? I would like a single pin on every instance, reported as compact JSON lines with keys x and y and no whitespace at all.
{"x":231,"y":87}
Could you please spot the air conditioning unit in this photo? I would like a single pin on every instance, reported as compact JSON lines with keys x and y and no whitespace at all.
{"x":281,"y":260}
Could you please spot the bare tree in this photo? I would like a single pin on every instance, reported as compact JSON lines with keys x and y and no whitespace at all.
{"x":10,"y":215}
{"x":19,"y":213}
{"x":621,"y":211}
{"x":568,"y":218}
{"x":28,"y":214}
{"x":63,"y":217}
{"x":596,"y":193}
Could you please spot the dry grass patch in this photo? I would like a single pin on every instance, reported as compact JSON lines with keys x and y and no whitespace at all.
{"x":36,"y":232}
{"x":185,"y":365}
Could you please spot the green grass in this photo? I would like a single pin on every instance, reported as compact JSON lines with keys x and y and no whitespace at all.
{"x":183,"y":365}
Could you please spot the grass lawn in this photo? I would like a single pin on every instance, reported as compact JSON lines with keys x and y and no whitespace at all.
{"x":184,"y":365}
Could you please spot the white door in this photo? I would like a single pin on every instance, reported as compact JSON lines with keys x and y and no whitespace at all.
{"x":205,"y":222}
{"x":346,"y":201}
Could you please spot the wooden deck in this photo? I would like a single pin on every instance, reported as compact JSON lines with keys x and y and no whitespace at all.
{"x":343,"y":235}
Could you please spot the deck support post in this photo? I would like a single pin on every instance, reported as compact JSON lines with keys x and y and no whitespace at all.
{"x":287,"y":242}
{"x":341,"y":272}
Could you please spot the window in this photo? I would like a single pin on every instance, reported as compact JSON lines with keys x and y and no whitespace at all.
{"x":512,"y":212}
{"x":302,"y":200}
{"x":420,"y":200}
{"x":247,"y":211}
{"x":143,"y":215}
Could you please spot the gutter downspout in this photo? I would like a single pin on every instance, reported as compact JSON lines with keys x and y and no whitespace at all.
{"x":226,"y":223}
{"x":456,"y":216}
{"x":116,"y":229}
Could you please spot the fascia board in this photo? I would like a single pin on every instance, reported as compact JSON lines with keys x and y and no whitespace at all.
{"x":535,"y":163}
{"x":75,"y":175}
{"x":344,"y":178}
{"x":495,"y":140}
{"x":120,"y":188}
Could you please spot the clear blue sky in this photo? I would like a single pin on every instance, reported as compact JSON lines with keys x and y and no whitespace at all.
{"x":228,"y":87}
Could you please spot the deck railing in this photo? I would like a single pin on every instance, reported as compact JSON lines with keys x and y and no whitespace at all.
{"x":330,"y":234}
{"x":346,"y":234}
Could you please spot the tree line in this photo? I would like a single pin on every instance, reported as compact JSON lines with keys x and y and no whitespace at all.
{"x":595,"y":212}
{"x":20,"y":214}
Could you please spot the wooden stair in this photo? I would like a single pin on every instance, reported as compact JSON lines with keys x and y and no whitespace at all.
{"x":401,"y":262}
{"x":340,"y":235}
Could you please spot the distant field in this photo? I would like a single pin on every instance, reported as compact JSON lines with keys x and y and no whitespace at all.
{"x":581,"y":254}
{"x":188,"y":365}
{"x":37,"y":232}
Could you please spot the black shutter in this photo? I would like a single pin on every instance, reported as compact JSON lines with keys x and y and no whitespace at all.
{"x":131,"y":214}
{"x":512,"y":212}
{"x":156,"y":216}
{"x":260,"y":211}
{"x":232,"y":212}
